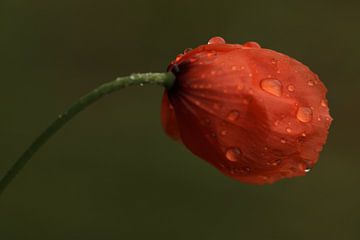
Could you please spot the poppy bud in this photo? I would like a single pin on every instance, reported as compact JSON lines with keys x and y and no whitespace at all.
{"x":255,"y":114}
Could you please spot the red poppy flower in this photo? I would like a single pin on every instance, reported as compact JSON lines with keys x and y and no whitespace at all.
{"x":255,"y":114}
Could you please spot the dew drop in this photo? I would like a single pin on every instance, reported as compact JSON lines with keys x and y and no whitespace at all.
{"x":272,"y":86}
{"x":216,"y":106}
{"x":216,"y":40}
{"x":291,"y":88}
{"x":304,"y":114}
{"x":187,"y":50}
{"x":252,"y":45}
{"x":233,"y":115}
{"x":223,"y":132}
{"x":311,"y":83}
{"x":307,"y":170}
{"x":193,"y":59}
{"x":233,"y":154}
{"x":178,"y":57}
{"x":274,"y":163}
{"x":283,"y":140}
{"x":323,"y":103}
{"x":211,"y":54}
{"x":265,"y":178}
{"x":288,"y":130}
{"x":240,"y":86}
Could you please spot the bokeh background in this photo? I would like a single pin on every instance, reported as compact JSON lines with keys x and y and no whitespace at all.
{"x":111,"y":173}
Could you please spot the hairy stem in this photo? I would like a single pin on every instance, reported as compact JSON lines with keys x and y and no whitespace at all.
{"x":164,"y":79}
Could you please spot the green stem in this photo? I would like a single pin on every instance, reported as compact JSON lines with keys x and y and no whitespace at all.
{"x":164,"y":79}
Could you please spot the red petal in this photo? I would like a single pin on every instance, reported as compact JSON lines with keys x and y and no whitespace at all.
{"x":168,"y":119}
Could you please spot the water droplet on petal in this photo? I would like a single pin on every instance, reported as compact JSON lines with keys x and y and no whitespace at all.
{"x":311,"y":83}
{"x":308,"y":166}
{"x":323,"y":103}
{"x":223,"y":132}
{"x":272,"y":86}
{"x":211,"y":54}
{"x":193,"y":59}
{"x":283,"y":140}
{"x":265,"y":178}
{"x":240,"y":86}
{"x":233,"y":115}
{"x":291,"y":88}
{"x":288,"y":130}
{"x":216,"y":106}
{"x":304,"y":114}
{"x":216,"y":40}
{"x":252,"y":45}
{"x":187,"y":50}
{"x":233,"y":154}
{"x":178,"y":57}
{"x":274,"y":162}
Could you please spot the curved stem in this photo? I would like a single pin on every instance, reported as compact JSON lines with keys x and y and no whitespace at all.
{"x":164,"y":79}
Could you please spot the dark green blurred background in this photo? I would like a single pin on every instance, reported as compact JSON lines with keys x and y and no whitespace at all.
{"x":112,"y":173}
